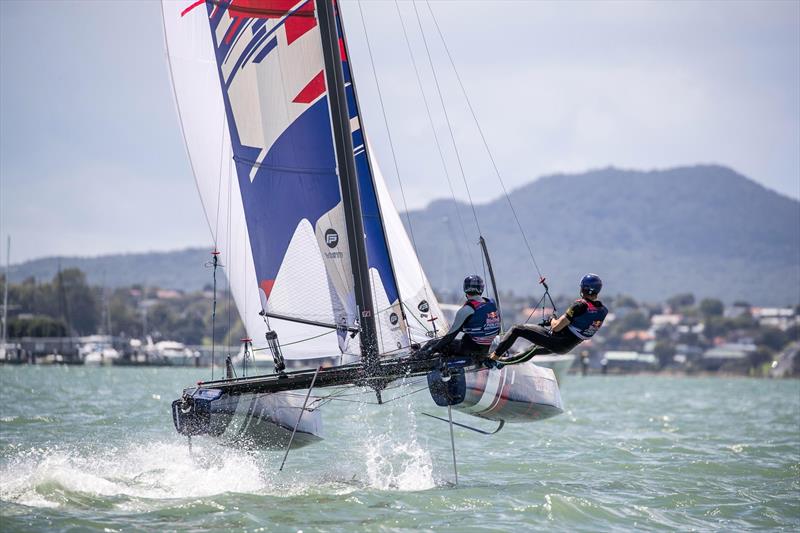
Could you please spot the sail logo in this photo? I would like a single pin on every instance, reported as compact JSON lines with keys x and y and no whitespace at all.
{"x":331,"y":238}
{"x":423,"y":306}
{"x":393,"y":318}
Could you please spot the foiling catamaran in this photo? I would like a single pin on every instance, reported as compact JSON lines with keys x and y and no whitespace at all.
{"x":313,"y":247}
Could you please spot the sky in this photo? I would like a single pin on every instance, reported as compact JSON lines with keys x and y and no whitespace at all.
{"x":92,"y":159}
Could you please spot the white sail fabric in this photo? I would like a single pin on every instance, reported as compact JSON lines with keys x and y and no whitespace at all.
{"x":249,"y":89}
{"x":201,"y":108}
{"x":419,"y":302}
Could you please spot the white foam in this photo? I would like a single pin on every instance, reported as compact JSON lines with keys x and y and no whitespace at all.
{"x":150,"y":471}
{"x":395,"y":458}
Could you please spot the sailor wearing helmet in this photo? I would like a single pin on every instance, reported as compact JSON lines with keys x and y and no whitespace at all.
{"x":479,"y":321}
{"x":580,"y":322}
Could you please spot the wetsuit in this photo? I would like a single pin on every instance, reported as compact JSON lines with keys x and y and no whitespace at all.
{"x":479,"y":320}
{"x":585,"y":318}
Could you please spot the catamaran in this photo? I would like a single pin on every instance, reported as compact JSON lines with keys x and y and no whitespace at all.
{"x":321,"y":268}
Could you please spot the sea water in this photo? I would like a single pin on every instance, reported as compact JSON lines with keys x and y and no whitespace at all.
{"x":94,"y":449}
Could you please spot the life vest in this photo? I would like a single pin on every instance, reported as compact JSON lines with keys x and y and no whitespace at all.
{"x":586,"y":325}
{"x":484,"y":324}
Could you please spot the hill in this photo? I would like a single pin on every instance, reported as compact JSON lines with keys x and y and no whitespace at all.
{"x":182,"y":269}
{"x":701,"y":229}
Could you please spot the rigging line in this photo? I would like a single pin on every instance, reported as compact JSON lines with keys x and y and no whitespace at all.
{"x":483,"y":138}
{"x":447,"y":119}
{"x":369,"y":391}
{"x":415,"y":317}
{"x":297,"y":342}
{"x":339,"y":396}
{"x":535,"y":308}
{"x":390,"y":400}
{"x":433,"y":129}
{"x":323,"y":400}
{"x":219,"y":181}
{"x":244,"y":276}
{"x":294,"y":431}
{"x":391,"y":146}
{"x":229,"y":248}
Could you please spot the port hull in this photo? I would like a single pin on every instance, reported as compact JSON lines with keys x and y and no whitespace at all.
{"x":250,"y":420}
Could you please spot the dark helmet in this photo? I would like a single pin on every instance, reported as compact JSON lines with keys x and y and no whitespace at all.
{"x":473,"y":285}
{"x":591,"y":284}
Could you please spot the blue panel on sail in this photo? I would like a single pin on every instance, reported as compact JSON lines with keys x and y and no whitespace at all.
{"x":377,"y":248}
{"x":278,"y":120}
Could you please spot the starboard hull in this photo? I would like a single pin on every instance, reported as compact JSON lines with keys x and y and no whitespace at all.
{"x":560,"y":364}
{"x":516,"y":393}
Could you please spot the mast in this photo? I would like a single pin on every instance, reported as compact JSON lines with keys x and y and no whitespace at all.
{"x":348,"y":179}
{"x":368,"y":159}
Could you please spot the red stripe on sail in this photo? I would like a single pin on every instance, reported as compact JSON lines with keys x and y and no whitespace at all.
{"x":297,"y":23}
{"x":232,"y":30}
{"x":270,"y":9}
{"x":266,"y":286}
{"x":296,"y":27}
{"x":311,"y":91}
{"x":192,"y":6}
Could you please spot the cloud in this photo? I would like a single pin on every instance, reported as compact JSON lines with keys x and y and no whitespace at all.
{"x":101,"y":207}
{"x":91,"y":156}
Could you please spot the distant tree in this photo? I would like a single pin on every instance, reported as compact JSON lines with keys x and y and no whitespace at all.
{"x":665,"y":333}
{"x":625,"y":301}
{"x":125,"y":320}
{"x":711,"y":307}
{"x":771,"y":337}
{"x":716,"y":326}
{"x":744,"y":321}
{"x":83,"y":308}
{"x":235,"y":333}
{"x":665,"y":352}
{"x":631,"y":321}
{"x":161,"y":317}
{"x":681,"y":300}
{"x":37,"y":326}
{"x":189,"y":329}
{"x":793,"y":333}
{"x":759,"y":357}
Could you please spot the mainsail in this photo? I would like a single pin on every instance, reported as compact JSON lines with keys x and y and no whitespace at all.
{"x":250,"y":87}
{"x":310,"y":240}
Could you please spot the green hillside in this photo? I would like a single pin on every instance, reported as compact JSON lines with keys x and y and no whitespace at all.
{"x":701,"y":229}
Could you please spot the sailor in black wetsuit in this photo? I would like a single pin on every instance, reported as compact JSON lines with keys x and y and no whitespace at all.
{"x":478,"y":320}
{"x":581,"y":321}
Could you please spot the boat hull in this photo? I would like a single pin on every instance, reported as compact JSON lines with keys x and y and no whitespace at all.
{"x":516,"y":393}
{"x":250,"y":420}
{"x":560,"y":364}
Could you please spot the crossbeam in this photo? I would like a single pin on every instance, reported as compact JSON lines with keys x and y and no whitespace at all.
{"x":353,"y":374}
